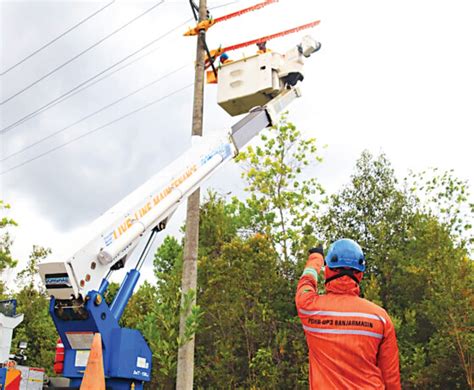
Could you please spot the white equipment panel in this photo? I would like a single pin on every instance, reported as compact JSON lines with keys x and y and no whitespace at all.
{"x":7,"y":324}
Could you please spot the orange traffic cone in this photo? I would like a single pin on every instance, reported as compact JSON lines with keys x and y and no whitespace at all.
{"x":13,"y":379}
{"x":94,"y":378}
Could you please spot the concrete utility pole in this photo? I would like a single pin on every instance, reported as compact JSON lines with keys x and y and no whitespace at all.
{"x":185,"y":372}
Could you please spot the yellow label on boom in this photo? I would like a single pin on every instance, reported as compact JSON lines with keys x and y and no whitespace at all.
{"x":156,"y":199}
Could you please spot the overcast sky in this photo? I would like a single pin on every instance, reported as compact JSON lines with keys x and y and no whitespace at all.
{"x":393,"y":77}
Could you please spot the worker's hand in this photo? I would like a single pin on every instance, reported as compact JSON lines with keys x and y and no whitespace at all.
{"x":316,"y":258}
{"x":319,"y":249}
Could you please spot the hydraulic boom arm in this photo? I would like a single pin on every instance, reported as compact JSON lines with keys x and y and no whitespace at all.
{"x":116,"y":234}
{"x":259,"y":86}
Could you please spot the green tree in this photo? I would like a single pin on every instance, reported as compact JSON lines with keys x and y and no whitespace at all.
{"x":37,"y":328}
{"x":448,"y":199}
{"x":283,"y":200}
{"x":29,"y":276}
{"x":161,"y":324}
{"x":373,"y":211}
{"x":249,"y":337}
{"x":155,"y":310}
{"x":418,"y":268}
{"x":6,"y":259}
{"x":444,"y":202}
{"x":434,"y":288}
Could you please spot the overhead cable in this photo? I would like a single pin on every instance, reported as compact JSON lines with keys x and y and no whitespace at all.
{"x":90,"y":81}
{"x":81,"y":53}
{"x":161,"y":78}
{"x":57,"y":38}
{"x":141,"y":108}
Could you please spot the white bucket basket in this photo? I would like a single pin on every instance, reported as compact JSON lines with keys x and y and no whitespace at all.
{"x":249,"y":82}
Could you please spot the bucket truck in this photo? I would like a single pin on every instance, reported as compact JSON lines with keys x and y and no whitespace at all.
{"x":261,"y":86}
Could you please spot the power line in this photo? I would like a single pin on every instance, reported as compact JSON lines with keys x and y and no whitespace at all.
{"x":74,"y":91}
{"x":95,"y":112}
{"x":85,"y":84}
{"x":141,"y":108}
{"x":81,"y":53}
{"x":68,"y":95}
{"x":55,"y":39}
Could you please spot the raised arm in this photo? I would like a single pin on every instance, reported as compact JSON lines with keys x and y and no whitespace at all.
{"x":307,"y":290}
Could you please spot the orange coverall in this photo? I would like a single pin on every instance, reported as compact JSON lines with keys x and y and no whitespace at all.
{"x":352,"y":342}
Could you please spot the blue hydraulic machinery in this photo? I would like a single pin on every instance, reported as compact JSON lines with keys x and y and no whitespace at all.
{"x":127,"y":356}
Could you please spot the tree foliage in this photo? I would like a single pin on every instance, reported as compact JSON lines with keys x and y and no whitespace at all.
{"x":6,"y":259}
{"x":29,"y":276}
{"x":282,"y":196}
{"x":37,"y":328}
{"x":248,"y":336}
{"x":446,"y":198}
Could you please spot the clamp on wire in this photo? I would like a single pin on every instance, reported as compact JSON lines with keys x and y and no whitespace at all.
{"x":201,"y":27}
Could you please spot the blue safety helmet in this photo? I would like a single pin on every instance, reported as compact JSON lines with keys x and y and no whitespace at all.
{"x":346,"y":253}
{"x":224,"y":57}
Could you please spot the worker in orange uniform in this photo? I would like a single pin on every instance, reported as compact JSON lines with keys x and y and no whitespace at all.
{"x":352,"y":342}
{"x":224,"y":59}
